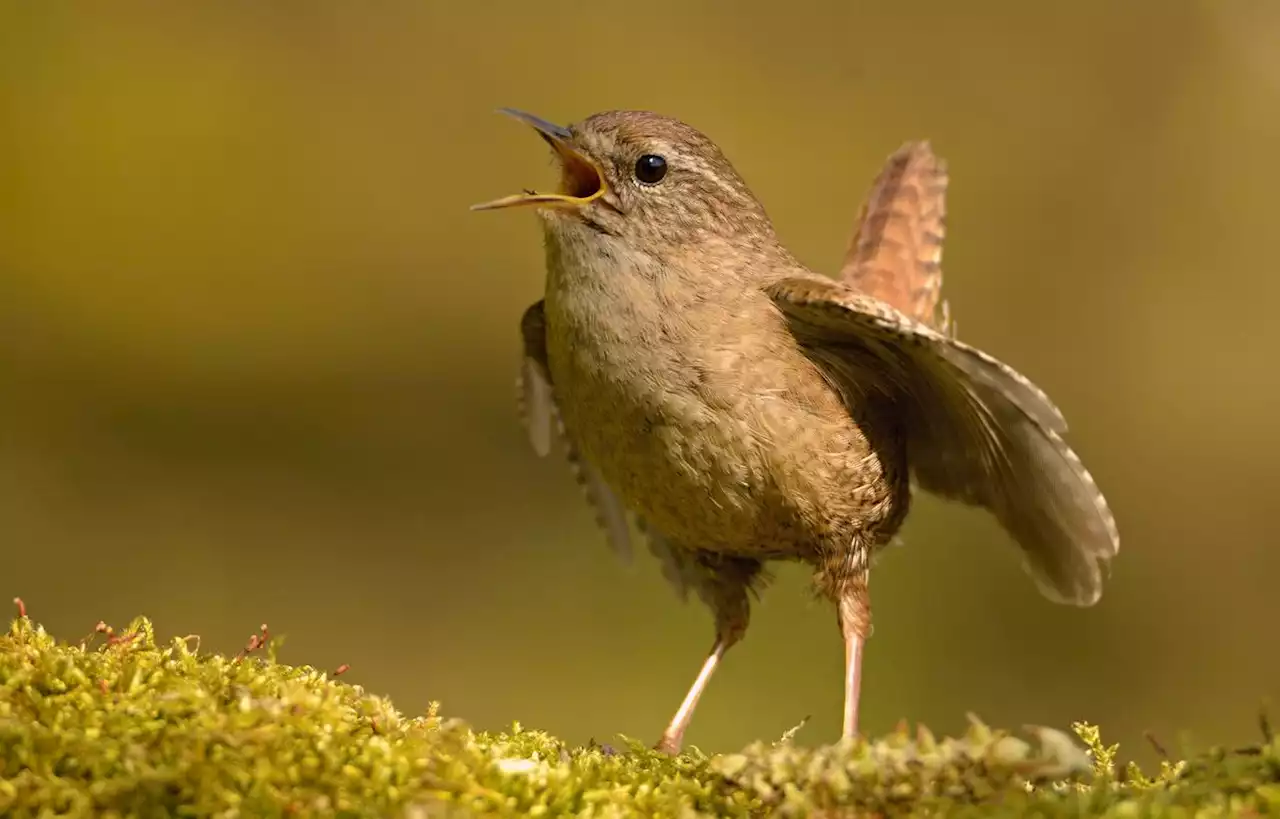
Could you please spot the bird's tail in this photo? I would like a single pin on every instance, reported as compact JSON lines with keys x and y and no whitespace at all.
{"x":896,"y":251}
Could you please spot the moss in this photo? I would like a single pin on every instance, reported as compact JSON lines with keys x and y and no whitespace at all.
{"x":120,"y":725}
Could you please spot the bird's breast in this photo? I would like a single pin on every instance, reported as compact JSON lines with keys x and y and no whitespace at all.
{"x":705,"y":417}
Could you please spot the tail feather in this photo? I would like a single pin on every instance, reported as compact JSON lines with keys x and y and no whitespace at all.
{"x":895,"y":254}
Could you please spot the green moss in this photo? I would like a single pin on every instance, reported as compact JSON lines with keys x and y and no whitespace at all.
{"x":119,"y":725}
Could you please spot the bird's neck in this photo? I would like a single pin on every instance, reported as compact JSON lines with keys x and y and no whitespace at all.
{"x":604,"y":270}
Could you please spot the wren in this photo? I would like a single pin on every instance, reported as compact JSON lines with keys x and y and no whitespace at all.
{"x":743,"y":409}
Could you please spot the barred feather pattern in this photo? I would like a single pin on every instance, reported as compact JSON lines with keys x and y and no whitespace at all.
{"x":895,"y":253}
{"x":978,"y":431}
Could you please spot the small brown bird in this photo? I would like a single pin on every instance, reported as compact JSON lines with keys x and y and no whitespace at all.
{"x":745,"y":409}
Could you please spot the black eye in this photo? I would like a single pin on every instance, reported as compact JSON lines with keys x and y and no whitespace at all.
{"x":650,"y":169}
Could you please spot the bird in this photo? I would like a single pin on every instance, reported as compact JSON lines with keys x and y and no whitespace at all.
{"x":742,"y":409}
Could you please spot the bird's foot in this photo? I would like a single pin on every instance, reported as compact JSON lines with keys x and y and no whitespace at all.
{"x":669,"y":744}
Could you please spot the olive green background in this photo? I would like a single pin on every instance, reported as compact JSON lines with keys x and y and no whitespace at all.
{"x":257,"y":357}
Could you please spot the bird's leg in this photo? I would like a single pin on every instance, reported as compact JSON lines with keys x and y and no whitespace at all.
{"x":854,"y":607}
{"x":673,"y":737}
{"x":724,"y":585}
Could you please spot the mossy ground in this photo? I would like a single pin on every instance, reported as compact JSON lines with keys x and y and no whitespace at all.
{"x":118,"y":725}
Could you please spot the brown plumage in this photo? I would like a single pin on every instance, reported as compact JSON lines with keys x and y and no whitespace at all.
{"x":745,"y":409}
{"x":896,"y":250}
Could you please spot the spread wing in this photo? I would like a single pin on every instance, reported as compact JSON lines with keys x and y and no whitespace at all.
{"x":896,"y":250}
{"x":978,"y":431}
{"x":543,"y":422}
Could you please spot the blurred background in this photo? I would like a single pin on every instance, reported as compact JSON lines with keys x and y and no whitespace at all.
{"x":257,"y":358}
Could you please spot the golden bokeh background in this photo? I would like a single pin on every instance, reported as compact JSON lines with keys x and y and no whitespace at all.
{"x":257,"y":357}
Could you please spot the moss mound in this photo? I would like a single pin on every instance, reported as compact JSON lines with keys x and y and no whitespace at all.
{"x":119,"y":725}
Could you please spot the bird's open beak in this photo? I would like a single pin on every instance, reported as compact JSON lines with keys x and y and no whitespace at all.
{"x":581,"y":180}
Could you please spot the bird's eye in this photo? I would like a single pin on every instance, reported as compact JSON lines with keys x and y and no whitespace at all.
{"x":650,"y":169}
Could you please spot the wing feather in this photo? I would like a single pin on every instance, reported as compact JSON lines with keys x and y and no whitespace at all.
{"x":542,"y":419}
{"x":978,"y":431}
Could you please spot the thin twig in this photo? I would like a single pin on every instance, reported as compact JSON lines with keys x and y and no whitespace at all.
{"x":256,"y":642}
{"x":1155,"y":743}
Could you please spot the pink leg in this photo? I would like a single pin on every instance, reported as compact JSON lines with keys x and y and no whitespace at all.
{"x":673,"y":737}
{"x":723,"y":583}
{"x":855,"y":624}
